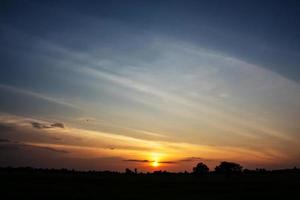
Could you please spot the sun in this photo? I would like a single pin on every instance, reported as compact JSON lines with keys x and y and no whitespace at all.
{"x":155,"y":159}
{"x":155,"y":164}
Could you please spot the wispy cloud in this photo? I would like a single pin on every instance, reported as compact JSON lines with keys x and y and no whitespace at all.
{"x":10,"y":145}
{"x":206,"y":108}
{"x":37,"y":95}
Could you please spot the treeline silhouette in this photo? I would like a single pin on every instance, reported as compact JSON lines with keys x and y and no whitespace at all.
{"x":201,"y":169}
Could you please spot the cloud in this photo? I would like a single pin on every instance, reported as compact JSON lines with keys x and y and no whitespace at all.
{"x":4,"y":140}
{"x":187,"y":159}
{"x":40,"y":125}
{"x":50,"y":149}
{"x":59,"y":125}
{"x":168,"y":162}
{"x":149,"y":161}
{"x":201,"y":82}
{"x":133,"y":160}
{"x":9,"y":145}
{"x":43,"y":158}
{"x":197,"y":159}
{"x":5,"y":127}
{"x":228,"y":120}
{"x":56,"y":138}
{"x":37,"y":95}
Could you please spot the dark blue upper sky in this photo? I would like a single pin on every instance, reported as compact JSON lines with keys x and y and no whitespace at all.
{"x":263,"y":32}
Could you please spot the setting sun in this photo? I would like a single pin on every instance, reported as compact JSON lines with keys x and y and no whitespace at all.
{"x":155,"y":164}
{"x":155,"y":157}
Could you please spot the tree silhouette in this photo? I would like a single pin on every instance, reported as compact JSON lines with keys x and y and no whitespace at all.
{"x":228,"y":168}
{"x":128,"y":171}
{"x":200,"y":169}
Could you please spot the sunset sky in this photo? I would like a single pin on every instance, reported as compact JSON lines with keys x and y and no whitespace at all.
{"x":152,"y":85}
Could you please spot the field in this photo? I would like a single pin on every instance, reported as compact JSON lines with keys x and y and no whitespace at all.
{"x":54,"y":184}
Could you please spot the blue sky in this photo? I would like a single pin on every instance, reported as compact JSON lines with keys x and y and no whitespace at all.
{"x":188,"y":78}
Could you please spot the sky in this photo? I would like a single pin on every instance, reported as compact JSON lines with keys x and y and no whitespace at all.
{"x":152,"y":85}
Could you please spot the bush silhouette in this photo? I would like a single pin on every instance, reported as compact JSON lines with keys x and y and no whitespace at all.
{"x":228,"y":168}
{"x":200,"y":168}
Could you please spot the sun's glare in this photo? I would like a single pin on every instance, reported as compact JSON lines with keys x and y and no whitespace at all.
{"x":155,"y":164}
{"x":155,"y":157}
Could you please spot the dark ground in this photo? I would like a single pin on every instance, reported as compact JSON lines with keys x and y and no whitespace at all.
{"x":57,"y":184}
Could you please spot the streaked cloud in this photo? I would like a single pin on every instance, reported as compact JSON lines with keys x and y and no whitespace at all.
{"x":208,"y":105}
{"x":36,"y":95}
